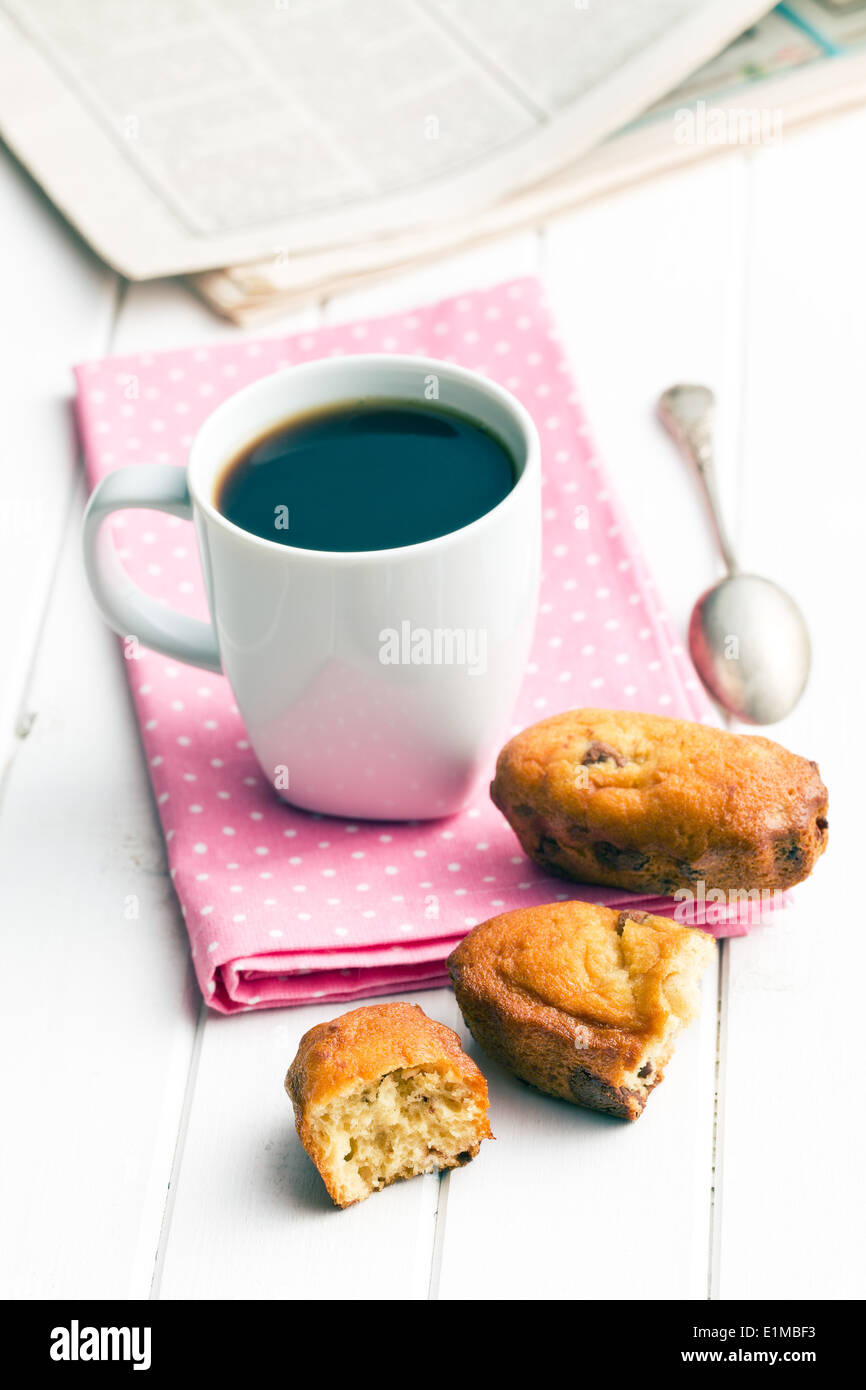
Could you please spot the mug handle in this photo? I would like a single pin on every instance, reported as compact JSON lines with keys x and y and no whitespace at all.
{"x":126,"y":607}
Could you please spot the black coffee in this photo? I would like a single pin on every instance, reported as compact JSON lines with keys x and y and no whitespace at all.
{"x":366,"y":476}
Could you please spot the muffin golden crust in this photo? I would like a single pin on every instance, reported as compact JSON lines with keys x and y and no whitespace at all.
{"x":581,"y":1001}
{"x":382,"y":1093}
{"x":652,"y":804}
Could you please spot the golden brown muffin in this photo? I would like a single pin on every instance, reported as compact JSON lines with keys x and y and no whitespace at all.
{"x":652,"y":804}
{"x":581,"y":1001}
{"x":384,"y":1092}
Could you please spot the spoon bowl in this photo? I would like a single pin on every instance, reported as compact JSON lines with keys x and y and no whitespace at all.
{"x":747,"y":637}
{"x":750,"y":646}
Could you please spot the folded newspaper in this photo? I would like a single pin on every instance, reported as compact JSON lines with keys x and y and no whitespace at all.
{"x":280,"y":150}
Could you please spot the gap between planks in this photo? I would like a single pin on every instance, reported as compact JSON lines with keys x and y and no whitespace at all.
{"x":179,"y":1145}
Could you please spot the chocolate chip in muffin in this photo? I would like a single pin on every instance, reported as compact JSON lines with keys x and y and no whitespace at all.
{"x":790,"y":851}
{"x":687,"y":871}
{"x":629,"y":917}
{"x":599,"y":752}
{"x":614,"y":857}
{"x":547,"y":847}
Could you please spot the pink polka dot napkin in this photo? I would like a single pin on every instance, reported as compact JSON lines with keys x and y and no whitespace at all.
{"x":283,"y":906}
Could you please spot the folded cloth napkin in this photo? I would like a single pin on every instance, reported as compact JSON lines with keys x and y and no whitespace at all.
{"x":283,"y":906}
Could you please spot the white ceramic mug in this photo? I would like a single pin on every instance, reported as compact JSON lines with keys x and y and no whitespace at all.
{"x":375,"y":683}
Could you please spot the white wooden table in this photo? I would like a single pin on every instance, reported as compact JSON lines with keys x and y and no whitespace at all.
{"x":152,"y":1150}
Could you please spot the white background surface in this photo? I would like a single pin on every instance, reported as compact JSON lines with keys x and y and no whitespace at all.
{"x":151,"y":1149}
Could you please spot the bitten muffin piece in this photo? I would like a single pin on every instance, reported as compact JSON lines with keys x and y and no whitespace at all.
{"x":651,"y":804}
{"x":581,"y":1001}
{"x":384,"y":1092}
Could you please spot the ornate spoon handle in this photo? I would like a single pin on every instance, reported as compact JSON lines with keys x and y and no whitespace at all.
{"x":688,"y":414}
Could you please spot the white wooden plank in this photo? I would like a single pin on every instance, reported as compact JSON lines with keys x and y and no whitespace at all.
{"x":251,"y":1217}
{"x":58,"y":303}
{"x":573,"y":1204}
{"x":570,"y":1204}
{"x":792,"y":1140}
{"x":99,"y":1003}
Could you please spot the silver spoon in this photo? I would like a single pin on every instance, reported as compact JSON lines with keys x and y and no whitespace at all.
{"x":747,"y":636}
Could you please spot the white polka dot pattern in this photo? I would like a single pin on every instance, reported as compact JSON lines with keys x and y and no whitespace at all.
{"x":282,"y":906}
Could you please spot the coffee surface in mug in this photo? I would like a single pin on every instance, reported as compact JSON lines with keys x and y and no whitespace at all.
{"x":366,"y":475}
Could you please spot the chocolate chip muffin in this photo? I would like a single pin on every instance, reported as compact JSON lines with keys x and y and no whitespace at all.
{"x":654,"y":805}
{"x":581,"y":1001}
{"x":384,"y":1092}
